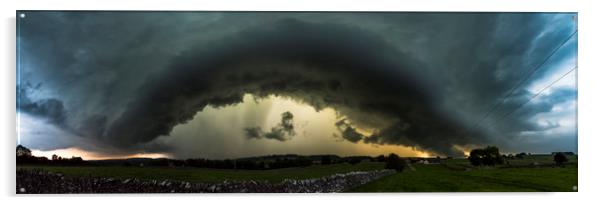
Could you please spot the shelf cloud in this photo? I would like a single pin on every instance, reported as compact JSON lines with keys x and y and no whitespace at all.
{"x":420,"y":80}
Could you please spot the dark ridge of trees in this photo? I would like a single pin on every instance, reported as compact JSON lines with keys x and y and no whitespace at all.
{"x":521,"y":155}
{"x":326,"y":160}
{"x":24,"y":157}
{"x":29,"y":159}
{"x":381,"y":158}
{"x":565,"y":153}
{"x":248,"y":163}
{"x":358,"y":159}
{"x":489,"y":156}
{"x":251,"y":164}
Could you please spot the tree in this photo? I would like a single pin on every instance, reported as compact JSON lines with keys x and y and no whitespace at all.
{"x":521,"y":155}
{"x":380,"y":158}
{"x":326,"y":160}
{"x":394,"y":162}
{"x":54,"y":157}
{"x":489,"y":156}
{"x":23,"y":151}
{"x":76,"y":160}
{"x":560,"y":158}
{"x":354,"y":160}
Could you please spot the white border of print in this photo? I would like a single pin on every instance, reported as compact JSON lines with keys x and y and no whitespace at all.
{"x":589,"y":138}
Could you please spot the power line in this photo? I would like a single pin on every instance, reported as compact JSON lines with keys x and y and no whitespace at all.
{"x":523,"y":80}
{"x":534,"y":96}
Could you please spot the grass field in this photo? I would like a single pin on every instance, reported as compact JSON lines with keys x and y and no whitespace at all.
{"x":455,"y":175}
{"x":210,"y":175}
{"x":439,"y":178}
{"x":458,"y":175}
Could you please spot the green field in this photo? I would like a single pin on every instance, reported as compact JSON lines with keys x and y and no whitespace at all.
{"x":210,"y":175}
{"x":450,"y":176}
{"x":439,"y":178}
{"x":458,"y":175}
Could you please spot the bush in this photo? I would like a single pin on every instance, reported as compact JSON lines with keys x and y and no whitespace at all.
{"x":394,"y":162}
{"x":560,"y":158}
{"x":354,"y":161}
{"x":521,"y":155}
{"x":490,"y":156}
{"x":326,"y":160}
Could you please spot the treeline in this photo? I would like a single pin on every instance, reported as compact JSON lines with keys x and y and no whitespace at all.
{"x":24,"y":157}
{"x":250,"y":163}
{"x":490,"y":156}
{"x":28,"y":159}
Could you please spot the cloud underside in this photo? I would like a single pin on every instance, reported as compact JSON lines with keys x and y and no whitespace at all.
{"x":349,"y":70}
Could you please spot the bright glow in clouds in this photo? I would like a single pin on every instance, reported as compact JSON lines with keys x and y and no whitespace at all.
{"x":35,"y":133}
{"x":86,"y":155}
{"x":218,"y":132}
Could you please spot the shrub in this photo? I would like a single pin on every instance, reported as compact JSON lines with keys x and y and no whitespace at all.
{"x":489,"y":156}
{"x":394,"y":162}
{"x":560,"y":158}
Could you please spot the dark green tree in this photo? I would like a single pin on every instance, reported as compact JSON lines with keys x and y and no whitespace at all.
{"x":23,"y":151}
{"x":489,"y":156}
{"x":394,"y":162}
{"x":560,"y":158}
{"x":521,"y":155}
{"x":326,"y":160}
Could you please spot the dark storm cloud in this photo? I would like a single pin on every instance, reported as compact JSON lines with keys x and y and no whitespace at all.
{"x":496,"y":60}
{"x":90,"y":63}
{"x":281,"y":132}
{"x":417,"y":79}
{"x":253,"y":132}
{"x":277,"y":134}
{"x":348,"y":132}
{"x":478,"y":61}
{"x":93,"y":126}
{"x":321,"y":64}
{"x":286,"y":123}
{"x":50,"y":109}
